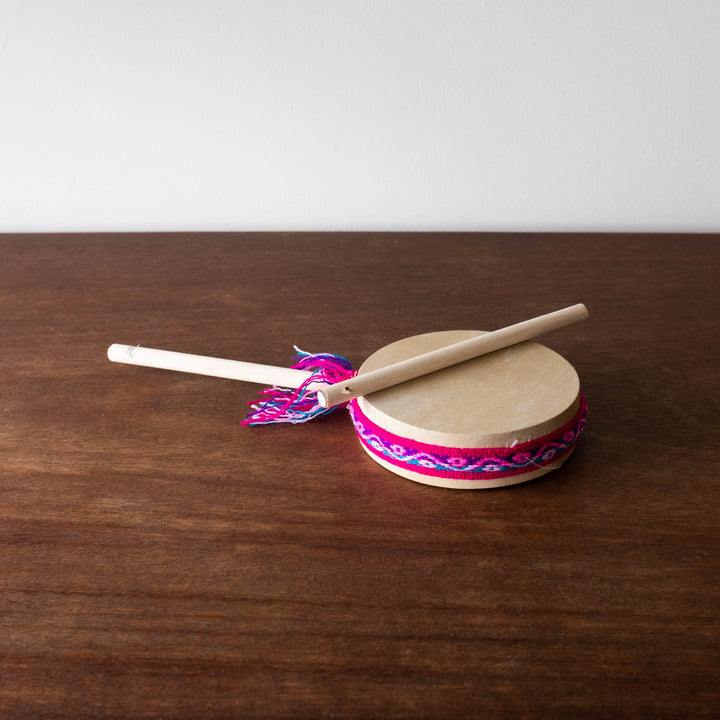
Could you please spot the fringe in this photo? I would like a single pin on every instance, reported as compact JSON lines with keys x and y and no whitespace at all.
{"x":283,"y":405}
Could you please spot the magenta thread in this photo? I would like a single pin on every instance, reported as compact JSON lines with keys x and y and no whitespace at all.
{"x":283,"y":405}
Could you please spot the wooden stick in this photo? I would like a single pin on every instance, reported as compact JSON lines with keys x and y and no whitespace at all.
{"x":215,"y":367}
{"x":445,"y":357}
{"x":361,"y":384}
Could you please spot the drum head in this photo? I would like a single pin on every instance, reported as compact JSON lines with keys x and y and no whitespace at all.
{"x":508,"y":397}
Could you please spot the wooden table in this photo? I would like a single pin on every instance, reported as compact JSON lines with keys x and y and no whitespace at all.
{"x":159,"y":560}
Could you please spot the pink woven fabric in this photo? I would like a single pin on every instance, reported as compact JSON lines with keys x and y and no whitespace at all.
{"x":468,"y":463}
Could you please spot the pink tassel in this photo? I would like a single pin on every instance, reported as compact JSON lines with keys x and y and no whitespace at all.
{"x":282,"y":405}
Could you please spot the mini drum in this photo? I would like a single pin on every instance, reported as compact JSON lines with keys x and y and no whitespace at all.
{"x":499,"y":419}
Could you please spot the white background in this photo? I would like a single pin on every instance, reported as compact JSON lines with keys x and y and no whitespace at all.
{"x":367,"y":115}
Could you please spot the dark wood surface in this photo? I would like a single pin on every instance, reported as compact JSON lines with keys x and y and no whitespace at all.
{"x":159,"y":560}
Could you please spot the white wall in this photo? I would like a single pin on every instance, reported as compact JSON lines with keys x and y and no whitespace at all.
{"x":367,"y":114}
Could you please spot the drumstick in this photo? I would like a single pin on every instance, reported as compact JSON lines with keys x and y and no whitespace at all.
{"x":450,"y":355}
{"x":347,"y":389}
{"x":213,"y":367}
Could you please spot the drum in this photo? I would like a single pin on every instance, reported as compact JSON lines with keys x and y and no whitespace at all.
{"x":496,"y":420}
{"x":453,"y":409}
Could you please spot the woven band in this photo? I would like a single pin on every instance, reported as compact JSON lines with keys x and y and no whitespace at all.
{"x":468,"y":463}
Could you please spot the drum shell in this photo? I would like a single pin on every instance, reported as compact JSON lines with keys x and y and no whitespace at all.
{"x":501,"y":400}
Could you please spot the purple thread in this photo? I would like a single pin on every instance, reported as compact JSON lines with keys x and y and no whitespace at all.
{"x":283,"y":405}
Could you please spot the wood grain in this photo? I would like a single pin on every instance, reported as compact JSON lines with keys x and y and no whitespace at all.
{"x":158,"y":560}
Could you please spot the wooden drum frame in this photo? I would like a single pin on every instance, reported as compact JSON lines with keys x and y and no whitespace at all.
{"x":495,"y":420}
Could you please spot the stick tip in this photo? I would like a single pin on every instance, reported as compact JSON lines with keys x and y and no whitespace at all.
{"x":116,"y":352}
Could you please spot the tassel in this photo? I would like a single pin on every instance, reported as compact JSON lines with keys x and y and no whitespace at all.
{"x":283,"y":405}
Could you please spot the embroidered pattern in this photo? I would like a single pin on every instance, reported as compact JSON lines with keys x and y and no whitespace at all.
{"x":469,"y":463}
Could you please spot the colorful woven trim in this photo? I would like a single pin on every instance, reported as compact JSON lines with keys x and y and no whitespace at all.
{"x":468,"y":463}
